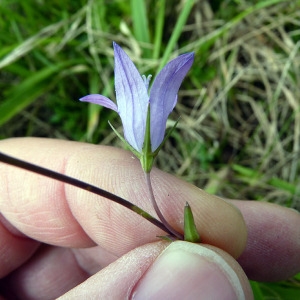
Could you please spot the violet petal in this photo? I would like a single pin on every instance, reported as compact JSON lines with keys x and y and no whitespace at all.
{"x":163,"y":95}
{"x":132,"y":98}
{"x":100,"y":100}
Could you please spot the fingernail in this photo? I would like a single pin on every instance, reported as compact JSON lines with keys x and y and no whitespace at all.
{"x":189,"y":271}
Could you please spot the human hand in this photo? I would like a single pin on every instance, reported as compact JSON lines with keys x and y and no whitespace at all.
{"x":54,"y":236}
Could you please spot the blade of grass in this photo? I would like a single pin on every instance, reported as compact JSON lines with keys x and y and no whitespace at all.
{"x":140,"y":24}
{"x":159,"y":27}
{"x":257,"y":293}
{"x":279,"y":290}
{"x":95,"y":24}
{"x":254,"y":177}
{"x":176,"y":32}
{"x":94,"y":15}
{"x":297,"y":277}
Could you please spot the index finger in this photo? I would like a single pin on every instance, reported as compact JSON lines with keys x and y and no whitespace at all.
{"x":55,"y":213}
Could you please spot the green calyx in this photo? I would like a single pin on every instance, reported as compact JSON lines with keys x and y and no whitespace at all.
{"x":146,"y":157}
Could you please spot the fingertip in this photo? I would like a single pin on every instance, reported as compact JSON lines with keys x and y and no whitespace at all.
{"x":186,"y":271}
{"x":272,"y":251}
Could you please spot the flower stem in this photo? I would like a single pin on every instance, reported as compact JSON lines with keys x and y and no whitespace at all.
{"x":82,"y":185}
{"x":157,"y":210}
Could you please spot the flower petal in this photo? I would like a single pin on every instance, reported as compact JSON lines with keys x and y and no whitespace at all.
{"x":100,"y":100}
{"x":163,"y":95}
{"x":132,"y":98}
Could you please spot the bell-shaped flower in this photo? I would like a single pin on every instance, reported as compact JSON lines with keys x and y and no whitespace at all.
{"x":143,"y":114}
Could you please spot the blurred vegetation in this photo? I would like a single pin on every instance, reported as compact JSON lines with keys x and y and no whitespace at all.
{"x":239,"y":132}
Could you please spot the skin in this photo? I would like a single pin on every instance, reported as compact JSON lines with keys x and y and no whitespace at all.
{"x":53,"y":236}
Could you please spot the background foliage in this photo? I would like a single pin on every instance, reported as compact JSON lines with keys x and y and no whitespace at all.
{"x":239,"y":132}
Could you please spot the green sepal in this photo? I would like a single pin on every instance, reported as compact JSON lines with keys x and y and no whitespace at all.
{"x":147,"y":156}
{"x":190,"y":230}
{"x":136,"y":153}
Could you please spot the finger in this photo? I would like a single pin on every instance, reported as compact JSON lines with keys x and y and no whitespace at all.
{"x":179,"y":270}
{"x":54,"y":213}
{"x":52,"y":271}
{"x":48,"y":274}
{"x":15,"y":249}
{"x":273,"y":248}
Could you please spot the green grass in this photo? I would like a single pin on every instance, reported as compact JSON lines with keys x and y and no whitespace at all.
{"x":239,"y":132}
{"x":288,"y":290}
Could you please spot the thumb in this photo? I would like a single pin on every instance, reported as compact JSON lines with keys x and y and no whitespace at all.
{"x":179,"y":270}
{"x":190,"y":271}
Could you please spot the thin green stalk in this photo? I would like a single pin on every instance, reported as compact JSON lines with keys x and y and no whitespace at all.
{"x":140,"y":24}
{"x":176,"y":32}
{"x":82,"y":185}
{"x":157,"y":210}
{"x":159,"y":28}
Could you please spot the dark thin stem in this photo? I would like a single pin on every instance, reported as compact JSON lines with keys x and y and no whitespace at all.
{"x":157,"y":210}
{"x":82,"y":185}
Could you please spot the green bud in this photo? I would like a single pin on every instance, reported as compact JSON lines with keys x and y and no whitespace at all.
{"x":190,"y":231}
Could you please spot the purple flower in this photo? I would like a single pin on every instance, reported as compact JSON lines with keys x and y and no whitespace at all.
{"x":133,"y":99}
